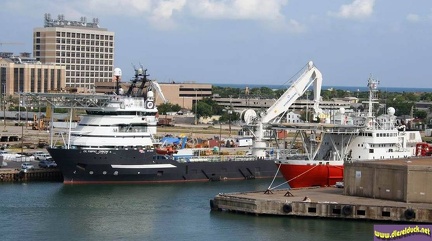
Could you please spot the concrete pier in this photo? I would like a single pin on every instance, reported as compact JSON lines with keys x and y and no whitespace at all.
{"x":17,"y":175}
{"x":329,"y":202}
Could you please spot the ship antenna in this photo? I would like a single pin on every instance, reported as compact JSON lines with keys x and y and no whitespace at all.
{"x":373,"y":89}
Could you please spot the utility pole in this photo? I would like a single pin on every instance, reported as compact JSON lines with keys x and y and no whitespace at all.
{"x":229,"y":115}
{"x":196,"y":106}
{"x":4,"y":106}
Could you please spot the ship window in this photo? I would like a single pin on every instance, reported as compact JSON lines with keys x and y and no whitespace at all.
{"x":160,"y":173}
{"x":371,"y":150}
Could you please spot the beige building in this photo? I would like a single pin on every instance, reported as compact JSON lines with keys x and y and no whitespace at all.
{"x":83,"y":47}
{"x":24,"y":74}
{"x":184,"y":94}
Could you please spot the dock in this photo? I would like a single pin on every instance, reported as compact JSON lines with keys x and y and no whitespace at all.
{"x":17,"y":175}
{"x":326,"y":202}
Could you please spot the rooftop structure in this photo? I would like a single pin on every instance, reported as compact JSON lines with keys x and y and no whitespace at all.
{"x":23,"y":73}
{"x":86,"y":49}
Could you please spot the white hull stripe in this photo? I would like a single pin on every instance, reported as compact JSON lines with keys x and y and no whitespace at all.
{"x":143,"y":166}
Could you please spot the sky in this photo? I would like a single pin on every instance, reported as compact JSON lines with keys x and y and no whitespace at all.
{"x":257,"y":42}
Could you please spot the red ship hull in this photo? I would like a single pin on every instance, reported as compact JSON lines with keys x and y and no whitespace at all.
{"x":311,"y":175}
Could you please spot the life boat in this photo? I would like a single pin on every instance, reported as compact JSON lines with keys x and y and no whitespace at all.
{"x":166,"y":150}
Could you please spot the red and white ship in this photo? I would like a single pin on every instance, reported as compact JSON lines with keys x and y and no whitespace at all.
{"x":318,"y":151}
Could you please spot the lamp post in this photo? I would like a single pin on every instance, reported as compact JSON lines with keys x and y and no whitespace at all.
{"x":307,"y":106}
{"x":229,"y":115}
{"x":4,"y":106}
{"x":220,"y":136}
{"x":196,"y":106}
{"x":117,"y":74}
{"x":19,"y":107}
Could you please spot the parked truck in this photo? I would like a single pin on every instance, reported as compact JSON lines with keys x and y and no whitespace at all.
{"x":165,"y":122}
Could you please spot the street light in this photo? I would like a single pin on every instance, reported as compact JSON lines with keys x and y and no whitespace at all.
{"x":117,"y":74}
{"x":229,"y":115}
{"x":4,"y":106}
{"x":196,"y":106}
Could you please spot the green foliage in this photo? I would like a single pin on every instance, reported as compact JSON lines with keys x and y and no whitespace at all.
{"x":402,"y":102}
{"x":226,"y":116}
{"x":420,"y":114}
{"x":213,"y":105}
{"x":225,"y":92}
{"x":202,"y":109}
{"x":168,"y":107}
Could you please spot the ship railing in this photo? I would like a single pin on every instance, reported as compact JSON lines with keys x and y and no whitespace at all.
{"x":292,"y":154}
{"x":217,"y":158}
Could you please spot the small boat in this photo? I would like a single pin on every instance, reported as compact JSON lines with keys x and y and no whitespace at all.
{"x":166,"y":150}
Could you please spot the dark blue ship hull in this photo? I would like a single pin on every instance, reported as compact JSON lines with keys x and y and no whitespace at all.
{"x":145,"y":166}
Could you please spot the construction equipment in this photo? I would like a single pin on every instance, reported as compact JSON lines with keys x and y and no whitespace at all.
{"x":39,"y":124}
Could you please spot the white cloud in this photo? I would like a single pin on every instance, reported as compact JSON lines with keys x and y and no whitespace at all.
{"x":238,"y":9}
{"x":267,"y":12}
{"x":168,"y":14}
{"x":162,"y":14}
{"x":413,"y":18}
{"x":358,"y":9}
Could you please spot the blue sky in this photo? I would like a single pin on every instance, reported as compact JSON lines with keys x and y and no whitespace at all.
{"x":250,"y":41}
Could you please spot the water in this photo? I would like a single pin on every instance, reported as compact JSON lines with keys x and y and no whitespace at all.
{"x":53,"y":211}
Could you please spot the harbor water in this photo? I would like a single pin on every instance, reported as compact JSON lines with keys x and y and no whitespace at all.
{"x":181,"y":211}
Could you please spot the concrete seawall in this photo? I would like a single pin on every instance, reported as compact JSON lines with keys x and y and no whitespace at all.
{"x":322,"y":203}
{"x":17,"y":175}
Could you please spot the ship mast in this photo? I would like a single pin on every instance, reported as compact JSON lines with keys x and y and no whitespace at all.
{"x":373,"y":98}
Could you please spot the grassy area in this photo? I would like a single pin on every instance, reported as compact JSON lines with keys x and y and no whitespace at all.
{"x":427,"y":139}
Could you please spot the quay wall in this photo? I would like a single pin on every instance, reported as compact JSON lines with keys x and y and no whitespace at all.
{"x":17,"y":175}
{"x":322,"y":208}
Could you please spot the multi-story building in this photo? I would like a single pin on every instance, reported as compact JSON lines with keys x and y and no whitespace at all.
{"x":184,"y":94}
{"x":25,"y":74}
{"x":86,"y":50}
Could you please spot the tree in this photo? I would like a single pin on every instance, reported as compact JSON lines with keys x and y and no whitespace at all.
{"x":168,"y":107}
{"x":420,"y":114}
{"x":202,"y":109}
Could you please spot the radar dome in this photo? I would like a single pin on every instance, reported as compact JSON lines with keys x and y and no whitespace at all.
{"x":342,"y":110}
{"x":150,"y":94}
{"x":391,"y":111}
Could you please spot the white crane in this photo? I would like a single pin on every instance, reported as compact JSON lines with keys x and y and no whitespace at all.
{"x":156,"y":86}
{"x":310,"y":75}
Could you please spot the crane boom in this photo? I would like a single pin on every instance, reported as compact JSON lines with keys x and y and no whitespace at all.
{"x":159,"y":90}
{"x":297,"y":89}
